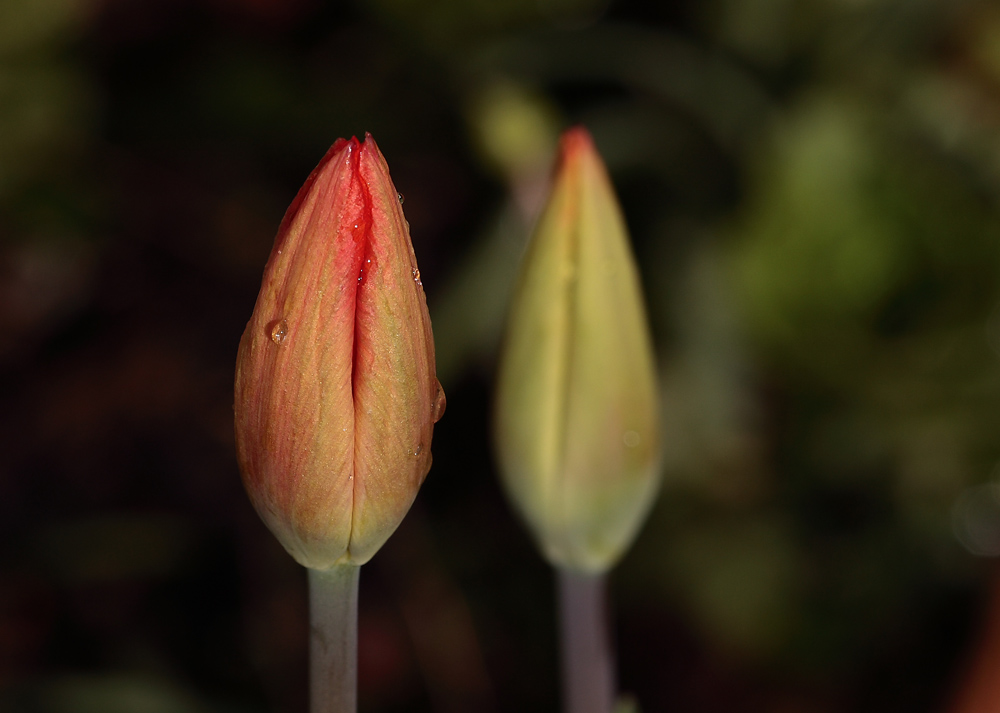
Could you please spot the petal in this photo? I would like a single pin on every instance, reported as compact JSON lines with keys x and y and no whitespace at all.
{"x":295,"y":428}
{"x":394,"y":381}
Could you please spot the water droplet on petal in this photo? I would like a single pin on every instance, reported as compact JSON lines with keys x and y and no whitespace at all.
{"x":419,"y":448}
{"x":279,"y":330}
{"x":400,"y":198}
{"x":440,"y":403}
{"x":416,"y":276}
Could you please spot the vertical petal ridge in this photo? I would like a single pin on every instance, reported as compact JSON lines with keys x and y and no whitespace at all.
{"x":394,"y":384}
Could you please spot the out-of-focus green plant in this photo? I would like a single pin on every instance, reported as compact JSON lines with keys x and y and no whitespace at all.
{"x":450,"y":25}
{"x":46,"y":102}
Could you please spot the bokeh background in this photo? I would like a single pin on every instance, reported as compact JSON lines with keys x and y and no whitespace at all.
{"x":812,"y":188}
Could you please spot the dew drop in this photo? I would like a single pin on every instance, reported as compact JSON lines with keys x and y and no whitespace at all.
{"x":279,"y":330}
{"x":419,"y":448}
{"x":440,"y":403}
{"x":400,"y":198}
{"x":416,"y":276}
{"x":630,"y":438}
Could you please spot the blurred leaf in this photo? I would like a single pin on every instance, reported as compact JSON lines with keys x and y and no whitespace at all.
{"x":45,"y":108}
{"x":627,"y":704}
{"x":848,"y":242}
{"x":514,"y":128}
{"x":741,"y":579}
{"x":725,"y":99}
{"x":446,"y":25}
{"x":818,"y":257}
{"x":29,"y":24}
{"x":114,"y":694}
{"x":468,"y":312}
{"x":114,"y":547}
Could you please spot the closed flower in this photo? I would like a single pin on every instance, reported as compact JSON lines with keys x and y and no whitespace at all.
{"x":577,"y":425}
{"x":336,"y":394}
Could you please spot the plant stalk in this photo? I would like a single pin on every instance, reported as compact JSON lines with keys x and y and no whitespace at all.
{"x":333,"y":639}
{"x":587,"y":661}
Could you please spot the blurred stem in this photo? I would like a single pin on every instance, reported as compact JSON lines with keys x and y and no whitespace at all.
{"x":333,"y":639}
{"x":587,"y":661}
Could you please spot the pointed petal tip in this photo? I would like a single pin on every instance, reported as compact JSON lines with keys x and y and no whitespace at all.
{"x":338,"y":146}
{"x":369,"y":146}
{"x":370,"y":158}
{"x":576,"y":151}
{"x":575,"y":140}
{"x":341,"y":146}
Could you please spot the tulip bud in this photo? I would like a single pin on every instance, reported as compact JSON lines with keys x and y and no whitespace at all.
{"x":577,"y":429}
{"x":336,"y":395}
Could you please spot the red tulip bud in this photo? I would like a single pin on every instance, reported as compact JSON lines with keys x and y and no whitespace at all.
{"x":336,"y":394}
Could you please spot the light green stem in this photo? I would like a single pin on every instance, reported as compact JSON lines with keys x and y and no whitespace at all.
{"x":333,"y":639}
{"x":587,"y":660}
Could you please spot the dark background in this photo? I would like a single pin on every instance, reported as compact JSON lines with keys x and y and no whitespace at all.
{"x":812,"y":188}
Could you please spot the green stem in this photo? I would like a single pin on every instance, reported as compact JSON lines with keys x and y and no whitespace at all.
{"x":333,"y":639}
{"x":587,"y":661}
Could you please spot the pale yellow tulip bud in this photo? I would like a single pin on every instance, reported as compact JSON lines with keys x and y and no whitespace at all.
{"x":577,"y":418}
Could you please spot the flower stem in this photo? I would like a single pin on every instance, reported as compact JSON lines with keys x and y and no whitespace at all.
{"x":333,"y":639}
{"x":587,"y":661}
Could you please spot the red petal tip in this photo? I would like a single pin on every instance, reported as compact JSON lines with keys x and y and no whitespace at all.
{"x":574,"y":140}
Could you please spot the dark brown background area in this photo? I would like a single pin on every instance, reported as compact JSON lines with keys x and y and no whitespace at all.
{"x":812,"y":191}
